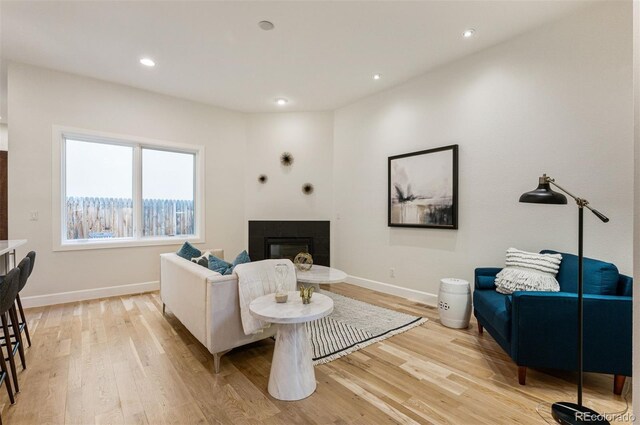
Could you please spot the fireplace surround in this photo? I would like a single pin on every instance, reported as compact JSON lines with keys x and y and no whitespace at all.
{"x":285,"y":239}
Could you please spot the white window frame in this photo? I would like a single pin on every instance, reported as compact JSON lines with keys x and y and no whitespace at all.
{"x":61,"y":134}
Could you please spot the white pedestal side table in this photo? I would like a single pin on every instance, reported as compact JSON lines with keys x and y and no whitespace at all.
{"x":320,"y":274}
{"x":292,"y":376}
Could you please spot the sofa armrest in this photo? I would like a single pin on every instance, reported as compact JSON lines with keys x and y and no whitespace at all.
{"x":183,"y":288}
{"x":545,"y":324}
{"x":625,"y":286}
{"x":485,"y":277}
{"x":219,"y":279}
{"x":224,"y":327}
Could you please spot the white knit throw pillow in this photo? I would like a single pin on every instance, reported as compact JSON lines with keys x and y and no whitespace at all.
{"x":528,"y":271}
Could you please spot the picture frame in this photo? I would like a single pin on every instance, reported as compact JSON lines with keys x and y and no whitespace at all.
{"x":423,"y":189}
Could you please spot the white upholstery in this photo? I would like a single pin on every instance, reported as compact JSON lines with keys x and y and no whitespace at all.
{"x":205,"y":302}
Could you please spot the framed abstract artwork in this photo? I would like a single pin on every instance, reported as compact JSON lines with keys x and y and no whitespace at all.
{"x":423,"y":189}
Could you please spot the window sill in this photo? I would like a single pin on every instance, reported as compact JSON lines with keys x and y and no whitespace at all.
{"x":125,"y":243}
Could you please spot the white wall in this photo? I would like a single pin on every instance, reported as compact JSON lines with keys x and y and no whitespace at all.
{"x":39,"y":99}
{"x":555,"y":100}
{"x":4,"y":143}
{"x":309,"y":137}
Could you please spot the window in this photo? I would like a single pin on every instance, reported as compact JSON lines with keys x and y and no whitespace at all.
{"x":127,"y":191}
{"x":98,"y":190}
{"x":167,"y":193}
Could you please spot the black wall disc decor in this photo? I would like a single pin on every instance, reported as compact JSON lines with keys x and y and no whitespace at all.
{"x":307,"y":188}
{"x":262,"y":178}
{"x":286,"y":159}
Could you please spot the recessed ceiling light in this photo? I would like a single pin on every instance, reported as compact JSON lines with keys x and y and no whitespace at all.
{"x":147,"y":62}
{"x":281,"y":101}
{"x":468,"y":33}
{"x":377,"y":76}
{"x":266,"y":25}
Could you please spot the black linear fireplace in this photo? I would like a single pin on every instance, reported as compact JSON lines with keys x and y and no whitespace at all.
{"x":287,"y":247}
{"x":285,"y":239}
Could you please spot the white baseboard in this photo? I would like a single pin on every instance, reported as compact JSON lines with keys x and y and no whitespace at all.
{"x":387,"y":288}
{"x":137,"y":288}
{"x":88,"y":294}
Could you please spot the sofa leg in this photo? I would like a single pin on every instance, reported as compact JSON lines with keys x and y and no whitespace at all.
{"x":164,"y":306}
{"x":618,"y":384}
{"x":480,"y":328}
{"x":522,"y":374}
{"x":216,"y":360}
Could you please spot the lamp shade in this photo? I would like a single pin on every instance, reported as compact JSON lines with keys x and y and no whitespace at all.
{"x":543,"y":194}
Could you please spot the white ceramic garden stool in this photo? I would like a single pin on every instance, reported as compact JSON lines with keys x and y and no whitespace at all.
{"x":454,"y":303}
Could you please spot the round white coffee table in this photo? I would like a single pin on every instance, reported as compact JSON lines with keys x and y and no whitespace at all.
{"x":292,"y":376}
{"x":320,"y":274}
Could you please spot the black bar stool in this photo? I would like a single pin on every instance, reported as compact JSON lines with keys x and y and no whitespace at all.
{"x":24,"y":327}
{"x":25,"y":270}
{"x":9,"y":317}
{"x":8,"y":285}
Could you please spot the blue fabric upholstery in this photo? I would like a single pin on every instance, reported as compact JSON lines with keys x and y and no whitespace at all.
{"x":599,"y":277}
{"x":538,"y":329}
{"x":486,"y":282}
{"x":242,"y":258}
{"x":498,"y":313}
{"x":625,"y":286}
{"x":218,"y":265}
{"x":188,"y":251}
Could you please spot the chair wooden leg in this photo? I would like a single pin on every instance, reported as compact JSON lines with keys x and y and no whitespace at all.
{"x":7,"y":379}
{"x":522,"y":375}
{"x":24,"y":320}
{"x":12,"y":362}
{"x":618,"y":384}
{"x":480,"y":328}
{"x":18,"y":335}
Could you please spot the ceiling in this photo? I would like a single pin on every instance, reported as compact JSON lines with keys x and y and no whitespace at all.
{"x":320,"y":56}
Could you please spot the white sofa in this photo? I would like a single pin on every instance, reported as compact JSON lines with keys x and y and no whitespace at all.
{"x":206,"y":303}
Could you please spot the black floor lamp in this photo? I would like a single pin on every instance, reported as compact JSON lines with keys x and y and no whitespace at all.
{"x":565,"y":412}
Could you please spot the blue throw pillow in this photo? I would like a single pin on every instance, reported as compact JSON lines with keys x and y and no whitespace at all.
{"x":242,"y":258}
{"x":188,"y":251}
{"x":219,"y":265}
{"x":486,"y":282}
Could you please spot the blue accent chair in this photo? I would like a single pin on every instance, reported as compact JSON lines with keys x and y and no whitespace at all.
{"x":539,"y":329}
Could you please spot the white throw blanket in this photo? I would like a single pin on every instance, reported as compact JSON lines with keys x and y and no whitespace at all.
{"x":255,"y":280}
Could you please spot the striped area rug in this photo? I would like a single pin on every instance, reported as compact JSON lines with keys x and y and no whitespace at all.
{"x":354,"y":325}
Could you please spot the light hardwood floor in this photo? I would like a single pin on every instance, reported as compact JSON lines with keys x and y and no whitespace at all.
{"x":118,"y":360}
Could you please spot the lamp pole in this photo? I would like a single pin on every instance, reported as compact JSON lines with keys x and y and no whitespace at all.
{"x":582,"y":203}
{"x":580,"y":289}
{"x":565,"y":412}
